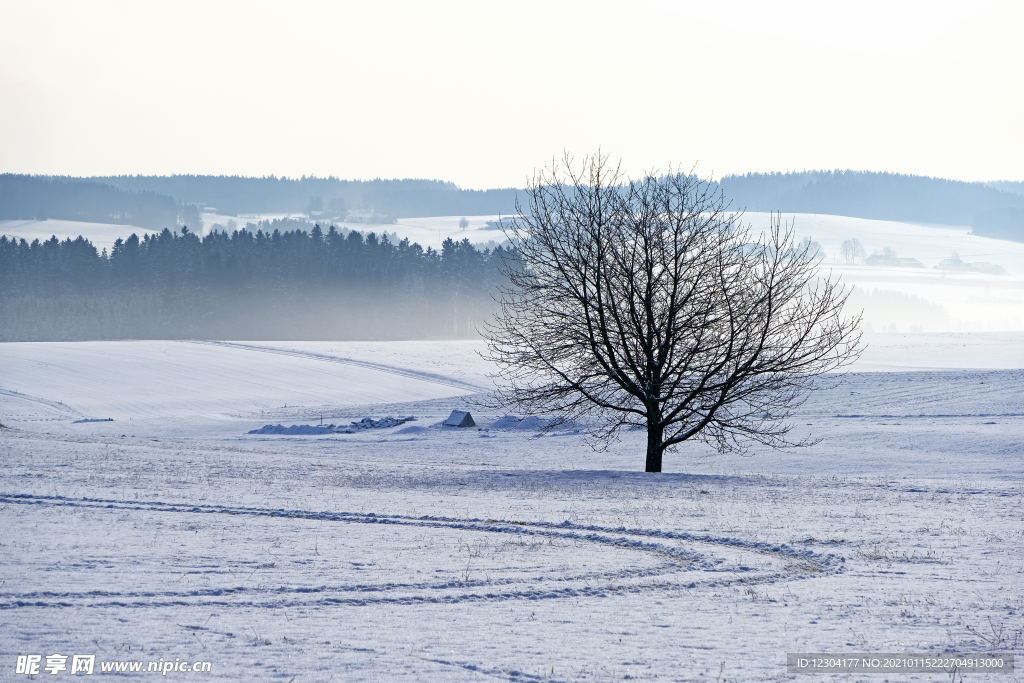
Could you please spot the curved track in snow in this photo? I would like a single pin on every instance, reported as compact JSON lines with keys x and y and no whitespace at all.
{"x":390,"y":369}
{"x":645,"y":560}
{"x":54,"y":405}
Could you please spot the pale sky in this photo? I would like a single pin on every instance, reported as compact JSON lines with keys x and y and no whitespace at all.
{"x":482,"y":93}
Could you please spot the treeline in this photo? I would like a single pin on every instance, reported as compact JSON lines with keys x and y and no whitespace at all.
{"x":286,"y":285}
{"x":42,"y":198}
{"x":405,"y":198}
{"x":1015,"y":186}
{"x":995,"y":209}
{"x":881,"y":196}
{"x":1004,"y":223}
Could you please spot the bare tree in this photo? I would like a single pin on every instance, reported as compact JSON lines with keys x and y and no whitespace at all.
{"x":851,"y":249}
{"x":645,"y":304}
{"x":463,"y":223}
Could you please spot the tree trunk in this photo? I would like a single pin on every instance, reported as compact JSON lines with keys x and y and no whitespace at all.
{"x":654,"y":436}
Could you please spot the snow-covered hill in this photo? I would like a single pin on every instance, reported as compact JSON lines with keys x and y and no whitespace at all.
{"x":172,"y":387}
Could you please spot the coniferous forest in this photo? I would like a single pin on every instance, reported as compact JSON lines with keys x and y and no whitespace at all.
{"x":75,"y":199}
{"x":268,"y":284}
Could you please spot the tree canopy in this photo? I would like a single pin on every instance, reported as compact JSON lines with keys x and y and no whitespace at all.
{"x":645,"y":304}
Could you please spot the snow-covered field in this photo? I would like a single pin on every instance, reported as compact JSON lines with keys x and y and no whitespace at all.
{"x":102,"y":235}
{"x":968,"y":301}
{"x":426,"y":553}
{"x":427,"y":232}
{"x":433,"y":231}
{"x":230,"y":222}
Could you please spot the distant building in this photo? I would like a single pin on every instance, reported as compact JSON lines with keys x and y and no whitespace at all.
{"x":889,"y":259}
{"x":369,"y":217}
{"x":955,"y":264}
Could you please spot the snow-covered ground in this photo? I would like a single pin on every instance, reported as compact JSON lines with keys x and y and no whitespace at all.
{"x":433,"y":231}
{"x":970,"y":301}
{"x":231,"y":222}
{"x":427,"y":232}
{"x":423,"y":553}
{"x":102,"y":235}
{"x":924,"y":242}
{"x":941,"y":351}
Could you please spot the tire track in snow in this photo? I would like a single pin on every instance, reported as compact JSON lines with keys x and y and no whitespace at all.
{"x":924,"y":394}
{"x":390,"y":369}
{"x":55,"y":405}
{"x":391,"y":586}
{"x":671,"y":573}
{"x":930,"y":416}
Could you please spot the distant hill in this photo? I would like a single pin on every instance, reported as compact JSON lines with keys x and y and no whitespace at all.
{"x":404,"y":198}
{"x":994,"y":209}
{"x":881,"y":196}
{"x":75,"y":199}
